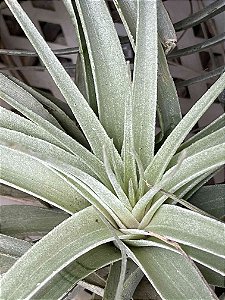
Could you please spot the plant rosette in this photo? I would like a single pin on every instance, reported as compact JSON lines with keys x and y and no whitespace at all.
{"x":127,"y":190}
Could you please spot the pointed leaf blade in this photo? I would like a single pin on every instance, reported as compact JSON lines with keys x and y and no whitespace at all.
{"x":168,"y":102}
{"x":86,"y":118}
{"x":64,"y":120}
{"x":156,"y":169}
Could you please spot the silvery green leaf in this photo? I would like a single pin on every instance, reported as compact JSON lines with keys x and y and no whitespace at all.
{"x":88,"y":194}
{"x":202,"y":163}
{"x":104,"y":196}
{"x":67,"y":124}
{"x":112,"y":283}
{"x":128,"y":148}
{"x":213,"y":139}
{"x":66,"y":279}
{"x":17,"y":170}
{"x":166,"y":30}
{"x":144,"y":94}
{"x":140,"y":209}
{"x":192,"y":186}
{"x":156,"y":262}
{"x":189,"y":228}
{"x":31,"y":145}
{"x":13,"y":121}
{"x":10,"y":250}
{"x":83,"y":75}
{"x":62,"y":138}
{"x":156,"y":169}
{"x":212,"y":277}
{"x":207,"y":259}
{"x":114,"y":181}
{"x":60,"y":103}
{"x":211,"y":128}
{"x":133,"y":277}
{"x":73,"y":238}
{"x":105,"y":53}
{"x":88,"y":121}
{"x":168,"y":106}
{"x":127,"y":10}
{"x":23,"y":97}
{"x":80,"y":77}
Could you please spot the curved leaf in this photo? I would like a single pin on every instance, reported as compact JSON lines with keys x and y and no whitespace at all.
{"x":168,"y":104}
{"x":60,"y":103}
{"x":194,"y":185}
{"x":200,"y":163}
{"x":17,"y":123}
{"x":212,"y":277}
{"x":102,"y":195}
{"x":127,"y":10}
{"x":116,"y":185}
{"x":10,"y":250}
{"x":183,"y":192}
{"x":156,"y":169}
{"x":130,"y":175}
{"x":17,"y":170}
{"x":166,"y":30}
{"x":113,"y":281}
{"x":74,"y":237}
{"x":189,"y":228}
{"x":93,"y":260}
{"x":209,"y":260}
{"x":33,"y":145}
{"x":206,"y":259}
{"x":92,"y":198}
{"x":69,"y":125}
{"x":165,"y":270}
{"x":83,"y":76}
{"x":133,"y":278}
{"x":212,"y":127}
{"x":86,"y":118}
{"x":191,"y":168}
{"x":23,"y":97}
{"x":139,"y":210}
{"x":65,"y":140}
{"x":213,"y":139}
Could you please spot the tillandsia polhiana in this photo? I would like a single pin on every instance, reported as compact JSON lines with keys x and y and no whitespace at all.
{"x":128,"y":199}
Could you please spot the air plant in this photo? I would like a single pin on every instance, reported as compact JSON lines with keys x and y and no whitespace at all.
{"x":126,"y":190}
